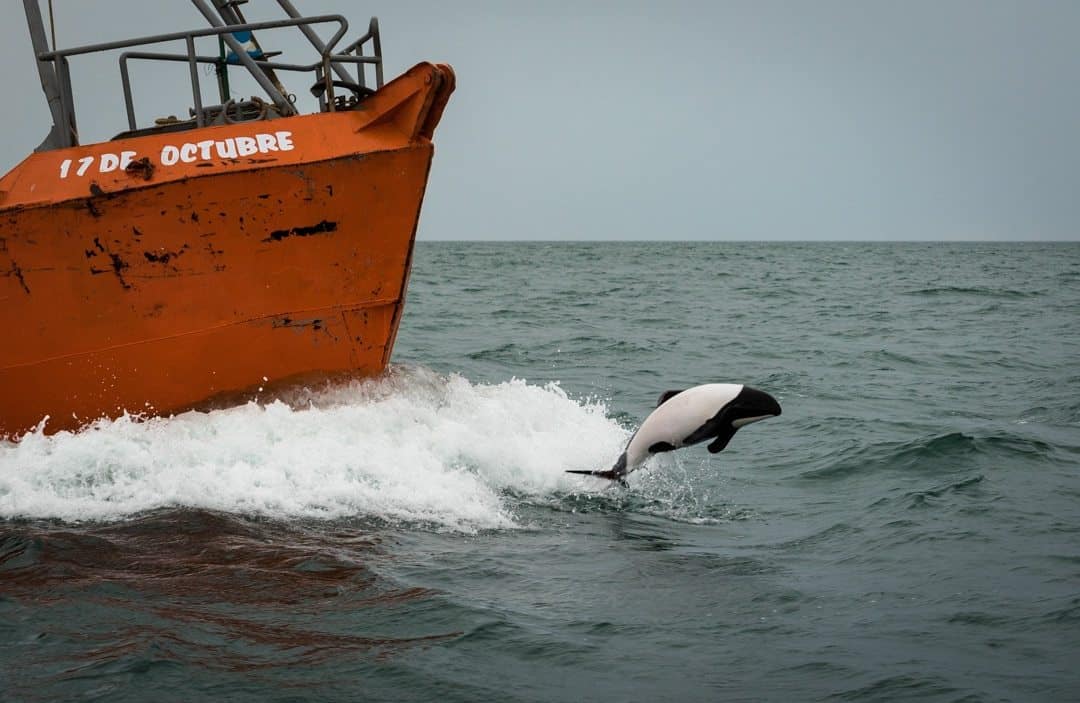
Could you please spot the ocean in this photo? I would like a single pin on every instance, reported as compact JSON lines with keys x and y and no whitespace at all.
{"x":908,"y":529}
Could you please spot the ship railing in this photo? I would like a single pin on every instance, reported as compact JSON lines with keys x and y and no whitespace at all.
{"x":328,"y":64}
{"x":357,"y":50}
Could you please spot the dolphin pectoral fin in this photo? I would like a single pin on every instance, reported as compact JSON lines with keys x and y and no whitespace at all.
{"x":700,"y":434}
{"x":666,"y":396}
{"x":717,"y":445}
{"x":661,"y":447}
{"x":721,"y":441}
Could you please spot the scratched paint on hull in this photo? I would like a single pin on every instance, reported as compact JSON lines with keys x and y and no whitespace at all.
{"x":152,"y":293}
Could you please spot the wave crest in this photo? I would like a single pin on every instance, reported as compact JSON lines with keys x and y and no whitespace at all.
{"x":953,"y":450}
{"x":413,"y":446}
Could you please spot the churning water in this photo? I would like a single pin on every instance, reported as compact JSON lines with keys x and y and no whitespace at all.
{"x":908,"y":529}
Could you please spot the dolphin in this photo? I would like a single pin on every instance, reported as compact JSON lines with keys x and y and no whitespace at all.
{"x":713,"y":411}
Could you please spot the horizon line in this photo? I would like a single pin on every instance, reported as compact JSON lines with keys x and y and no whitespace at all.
{"x":749,"y":241}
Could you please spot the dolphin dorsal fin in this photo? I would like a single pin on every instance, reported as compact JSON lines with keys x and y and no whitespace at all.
{"x":668,"y":395}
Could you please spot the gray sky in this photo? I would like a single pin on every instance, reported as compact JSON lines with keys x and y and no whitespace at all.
{"x":681,"y":120}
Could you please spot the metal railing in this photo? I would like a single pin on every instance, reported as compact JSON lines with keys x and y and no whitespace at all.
{"x":357,"y":48}
{"x":328,"y":64}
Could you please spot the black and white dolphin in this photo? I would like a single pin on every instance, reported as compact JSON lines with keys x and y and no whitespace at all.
{"x":713,"y":411}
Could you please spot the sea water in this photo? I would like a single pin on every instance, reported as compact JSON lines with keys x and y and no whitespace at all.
{"x":908,"y":529}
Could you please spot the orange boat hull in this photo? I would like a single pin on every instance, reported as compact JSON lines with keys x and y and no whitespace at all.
{"x":210,"y":263}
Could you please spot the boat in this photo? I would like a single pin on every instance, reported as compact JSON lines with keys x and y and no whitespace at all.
{"x":196,"y":262}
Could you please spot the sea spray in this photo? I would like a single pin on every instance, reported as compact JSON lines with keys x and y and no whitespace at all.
{"x":413,"y":446}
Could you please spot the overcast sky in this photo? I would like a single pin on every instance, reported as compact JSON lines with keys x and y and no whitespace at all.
{"x":679,"y":120}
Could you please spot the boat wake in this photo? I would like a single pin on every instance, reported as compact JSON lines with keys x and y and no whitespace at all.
{"x":413,"y":447}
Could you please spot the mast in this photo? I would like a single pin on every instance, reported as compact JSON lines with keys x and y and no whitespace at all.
{"x":312,"y":37}
{"x":229,"y":12}
{"x":59,"y":136}
{"x":280,"y":101}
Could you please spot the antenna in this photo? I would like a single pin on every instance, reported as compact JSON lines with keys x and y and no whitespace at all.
{"x":52,"y":26}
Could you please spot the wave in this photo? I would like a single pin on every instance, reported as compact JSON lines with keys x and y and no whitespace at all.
{"x":412,"y":447}
{"x":946,"y":451}
{"x":931,"y":497}
{"x":973,"y":291}
{"x":671,"y":490}
{"x":902,"y":687}
{"x":578,"y":345}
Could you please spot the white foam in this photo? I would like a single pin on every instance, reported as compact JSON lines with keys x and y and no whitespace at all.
{"x":414,"y":446}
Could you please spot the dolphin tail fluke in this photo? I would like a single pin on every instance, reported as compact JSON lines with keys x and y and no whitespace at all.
{"x":615,"y":473}
{"x":610,"y":474}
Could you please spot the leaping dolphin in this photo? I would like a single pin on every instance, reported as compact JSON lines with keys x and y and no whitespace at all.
{"x":681,"y":418}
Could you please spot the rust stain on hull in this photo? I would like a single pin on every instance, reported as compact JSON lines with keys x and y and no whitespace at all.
{"x":172,"y":285}
{"x":324,"y":227}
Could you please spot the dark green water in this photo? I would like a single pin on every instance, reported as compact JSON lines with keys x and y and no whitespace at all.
{"x":909,"y":529}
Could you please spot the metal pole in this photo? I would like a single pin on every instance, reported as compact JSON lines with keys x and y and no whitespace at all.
{"x":223,"y":73}
{"x":195,"y":90}
{"x":322,"y":95}
{"x":231,"y":14}
{"x":361,"y":79}
{"x":330,"y":102}
{"x":52,"y":26}
{"x":50,"y":85}
{"x":373,"y":30}
{"x":67,"y":103}
{"x":316,"y":42}
{"x":125,"y":81}
{"x":279,"y":100}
